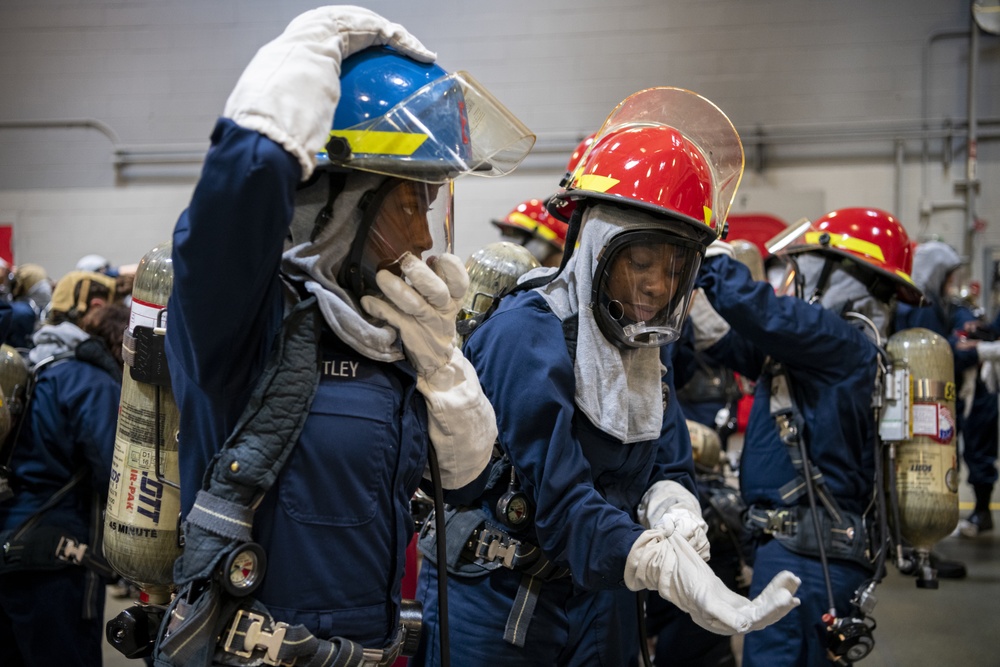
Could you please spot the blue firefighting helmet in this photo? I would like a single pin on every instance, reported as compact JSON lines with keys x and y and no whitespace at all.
{"x":414,"y":120}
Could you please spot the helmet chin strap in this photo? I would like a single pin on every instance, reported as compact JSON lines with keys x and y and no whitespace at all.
{"x":335,"y":185}
{"x":823,"y":281}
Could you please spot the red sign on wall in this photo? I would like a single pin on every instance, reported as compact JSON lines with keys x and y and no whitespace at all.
{"x":7,"y":243}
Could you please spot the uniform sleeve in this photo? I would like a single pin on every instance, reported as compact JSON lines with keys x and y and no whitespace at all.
{"x":526,"y":372}
{"x":786,"y":328}
{"x":226,"y":305}
{"x":226,"y":255}
{"x":674,"y":460}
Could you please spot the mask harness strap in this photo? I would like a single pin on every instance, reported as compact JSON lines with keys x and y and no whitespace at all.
{"x":823,"y":281}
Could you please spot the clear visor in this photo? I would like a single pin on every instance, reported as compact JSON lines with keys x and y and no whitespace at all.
{"x":789,"y":236}
{"x":412,"y":217}
{"x":643,"y":286}
{"x":698,"y":119}
{"x":958,"y":285}
{"x":450,"y":127}
{"x":783,"y":275}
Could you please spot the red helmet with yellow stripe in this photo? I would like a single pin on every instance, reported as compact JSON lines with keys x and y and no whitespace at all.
{"x":531,"y":219}
{"x":873,"y":238}
{"x":667,"y":151}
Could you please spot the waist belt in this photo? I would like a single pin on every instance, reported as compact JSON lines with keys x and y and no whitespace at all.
{"x":794,"y":528}
{"x":475,"y":547}
{"x":489,"y":544}
{"x":254,"y":638}
{"x":48,"y":548}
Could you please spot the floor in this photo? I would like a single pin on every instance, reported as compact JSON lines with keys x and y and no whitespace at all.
{"x":957,"y":625}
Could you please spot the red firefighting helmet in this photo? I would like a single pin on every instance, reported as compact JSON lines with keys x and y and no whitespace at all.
{"x":758,"y":228}
{"x":533,"y":220}
{"x":667,"y":151}
{"x":874,"y":239}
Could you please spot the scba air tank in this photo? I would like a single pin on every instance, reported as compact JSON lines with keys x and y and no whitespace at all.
{"x":141,"y":525}
{"x":919,"y":423}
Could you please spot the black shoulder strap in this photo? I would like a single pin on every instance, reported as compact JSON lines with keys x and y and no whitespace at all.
{"x":571,"y":330}
{"x":50,"y":503}
{"x":791,"y":429}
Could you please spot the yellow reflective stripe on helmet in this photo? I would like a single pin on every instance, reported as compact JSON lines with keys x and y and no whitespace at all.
{"x":847,"y":243}
{"x":707,"y":212}
{"x":596,"y":183}
{"x":530,"y":224}
{"x":383,"y":143}
{"x":905,"y":276}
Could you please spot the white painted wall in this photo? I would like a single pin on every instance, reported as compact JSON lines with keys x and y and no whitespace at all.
{"x":833,"y":86}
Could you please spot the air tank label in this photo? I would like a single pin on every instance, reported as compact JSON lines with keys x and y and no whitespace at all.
{"x":144,"y":314}
{"x":135,"y":496}
{"x":925,"y":469}
{"x":934,"y":421}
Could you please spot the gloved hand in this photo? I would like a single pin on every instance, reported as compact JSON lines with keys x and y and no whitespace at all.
{"x":719,"y":247}
{"x":664,"y":562}
{"x":291,"y":87}
{"x":989,"y":373}
{"x":424,"y":310}
{"x":461,"y":421}
{"x":988,"y":350}
{"x":667,"y":504}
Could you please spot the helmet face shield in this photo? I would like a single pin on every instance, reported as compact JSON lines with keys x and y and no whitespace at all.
{"x":402,"y":217}
{"x":450,"y":127}
{"x":643,"y":286}
{"x":784,"y":276}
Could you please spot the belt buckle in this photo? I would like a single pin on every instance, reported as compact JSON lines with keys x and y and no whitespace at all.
{"x":494,"y":544}
{"x":257,"y":637}
{"x":71,"y":550}
{"x":374,"y":657}
{"x":779,"y":522}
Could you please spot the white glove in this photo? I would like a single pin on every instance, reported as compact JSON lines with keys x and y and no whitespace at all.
{"x":988,"y":373}
{"x":291,"y":87}
{"x":425,"y":309}
{"x":708,"y":326}
{"x":667,"y":504}
{"x":988,"y":350}
{"x":462,"y":424}
{"x":664,"y":562}
{"x":719,"y":247}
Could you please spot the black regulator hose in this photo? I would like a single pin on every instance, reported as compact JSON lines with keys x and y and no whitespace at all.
{"x":643,"y":637}
{"x":442,"y":557}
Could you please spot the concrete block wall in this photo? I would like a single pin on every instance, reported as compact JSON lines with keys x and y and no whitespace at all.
{"x":843,"y":84}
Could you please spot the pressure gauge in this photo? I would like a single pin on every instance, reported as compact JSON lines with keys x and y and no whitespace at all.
{"x":513,"y":508}
{"x":244,"y":569}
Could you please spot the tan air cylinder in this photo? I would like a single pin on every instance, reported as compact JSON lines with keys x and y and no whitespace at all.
{"x":141,"y":523}
{"x":13,"y":378}
{"x":926,"y":461}
{"x":706,"y":446}
{"x":747,"y":253}
{"x":493,"y":270}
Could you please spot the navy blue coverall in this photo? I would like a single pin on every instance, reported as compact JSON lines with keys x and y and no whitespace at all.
{"x":336,"y":523}
{"x":832,"y":368}
{"x":584,"y":485}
